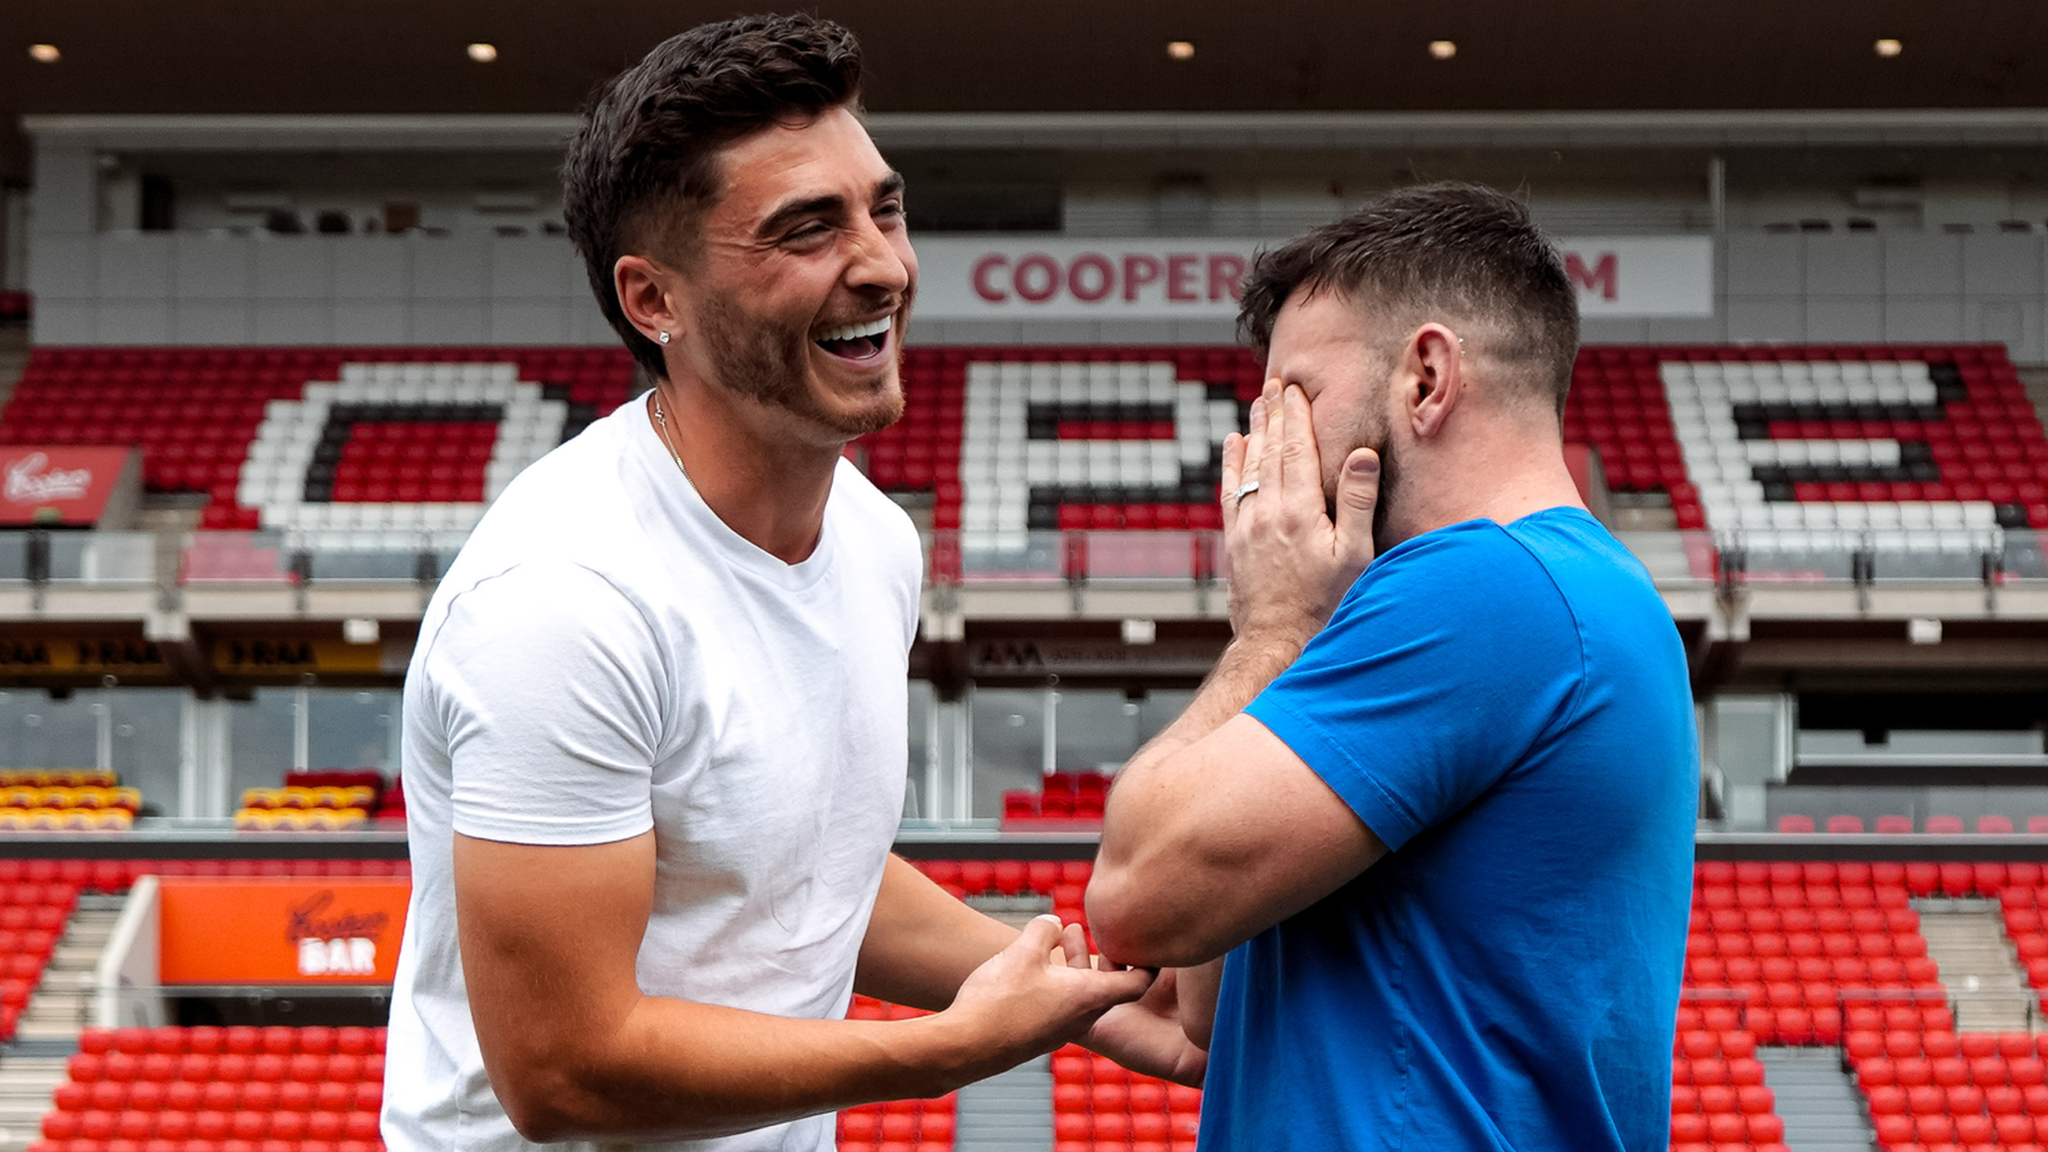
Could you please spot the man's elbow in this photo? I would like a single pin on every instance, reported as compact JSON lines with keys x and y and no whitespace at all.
{"x":547,"y":1106}
{"x":1144,"y":929}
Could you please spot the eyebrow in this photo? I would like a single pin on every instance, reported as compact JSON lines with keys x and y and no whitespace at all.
{"x":828,"y":204}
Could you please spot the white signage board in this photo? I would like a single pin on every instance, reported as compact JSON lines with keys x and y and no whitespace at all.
{"x":1166,"y":278}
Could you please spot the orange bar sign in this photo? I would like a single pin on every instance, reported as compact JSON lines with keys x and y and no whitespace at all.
{"x":342,"y":930}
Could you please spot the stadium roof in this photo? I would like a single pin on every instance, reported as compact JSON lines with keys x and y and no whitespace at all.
{"x":384,"y":56}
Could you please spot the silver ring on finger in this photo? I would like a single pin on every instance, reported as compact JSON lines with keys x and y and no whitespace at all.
{"x":1244,"y":490}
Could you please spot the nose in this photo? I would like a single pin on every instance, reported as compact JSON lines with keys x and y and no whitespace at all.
{"x":877,"y":266}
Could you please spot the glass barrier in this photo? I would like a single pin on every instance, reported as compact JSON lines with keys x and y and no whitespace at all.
{"x":78,"y":557}
{"x":1901,"y":810}
{"x":103,"y":557}
{"x":236,"y":558}
{"x":14,"y":551}
{"x":281,"y":558}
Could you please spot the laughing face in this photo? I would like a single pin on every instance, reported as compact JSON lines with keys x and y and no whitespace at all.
{"x":804,"y":285}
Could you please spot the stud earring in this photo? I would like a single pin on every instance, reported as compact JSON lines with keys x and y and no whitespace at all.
{"x":664,"y":337}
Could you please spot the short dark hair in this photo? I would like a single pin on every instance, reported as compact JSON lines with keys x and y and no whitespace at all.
{"x":1453,"y":249}
{"x":650,"y":135}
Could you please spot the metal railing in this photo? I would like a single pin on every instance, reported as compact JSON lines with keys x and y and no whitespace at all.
{"x":1989,"y":558}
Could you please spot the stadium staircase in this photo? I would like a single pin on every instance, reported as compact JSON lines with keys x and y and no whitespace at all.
{"x":1966,"y":937}
{"x":1819,"y":1103}
{"x":1008,"y":1112}
{"x":63,"y":1001}
{"x":34,"y":1064}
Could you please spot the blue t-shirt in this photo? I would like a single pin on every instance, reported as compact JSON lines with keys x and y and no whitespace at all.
{"x":1507,"y":708}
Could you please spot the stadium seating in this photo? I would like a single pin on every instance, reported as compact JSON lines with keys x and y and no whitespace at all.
{"x":1098,"y":1106}
{"x":1066,"y":798}
{"x":1798,"y":944}
{"x":204,"y":1089}
{"x":1903,"y":825}
{"x":895,"y":1125}
{"x":331,"y":800}
{"x":351,"y":447}
{"x":1914,"y":451}
{"x":65,"y":799}
{"x":1718,"y":1096}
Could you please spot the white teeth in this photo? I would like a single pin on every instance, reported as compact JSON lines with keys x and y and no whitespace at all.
{"x":856,"y":331}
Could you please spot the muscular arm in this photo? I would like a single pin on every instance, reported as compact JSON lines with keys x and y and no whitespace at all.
{"x":921,"y":942}
{"x":1210,"y":838}
{"x":574,"y":1049}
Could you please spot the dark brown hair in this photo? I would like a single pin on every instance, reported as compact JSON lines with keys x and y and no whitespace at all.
{"x":1446,"y":251}
{"x":646,"y":152}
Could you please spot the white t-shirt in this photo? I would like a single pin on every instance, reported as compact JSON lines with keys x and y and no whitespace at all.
{"x":606,"y":657}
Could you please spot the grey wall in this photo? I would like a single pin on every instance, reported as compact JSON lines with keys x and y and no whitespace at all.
{"x":95,"y":287}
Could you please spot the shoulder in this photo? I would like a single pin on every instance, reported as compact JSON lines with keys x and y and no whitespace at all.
{"x":1476,"y":568}
{"x":873,"y":523}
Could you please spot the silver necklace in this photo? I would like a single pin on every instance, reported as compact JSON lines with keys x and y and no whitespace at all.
{"x":661,"y":424}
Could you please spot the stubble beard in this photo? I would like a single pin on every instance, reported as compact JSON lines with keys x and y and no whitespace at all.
{"x":767,"y":361}
{"x":1377,"y":436}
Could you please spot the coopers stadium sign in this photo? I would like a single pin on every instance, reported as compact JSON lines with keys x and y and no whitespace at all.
{"x":1165,"y":278}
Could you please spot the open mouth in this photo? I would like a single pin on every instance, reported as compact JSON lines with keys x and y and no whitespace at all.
{"x":857,"y":341}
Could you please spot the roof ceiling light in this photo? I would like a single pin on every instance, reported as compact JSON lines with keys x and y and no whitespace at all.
{"x":1181,"y":49}
{"x":1889,"y":47}
{"x":44,"y":53}
{"x":1443,"y":49}
{"x":483,"y":53}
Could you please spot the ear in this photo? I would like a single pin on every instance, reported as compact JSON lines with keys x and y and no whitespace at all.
{"x":1433,"y":371}
{"x":648,"y":296}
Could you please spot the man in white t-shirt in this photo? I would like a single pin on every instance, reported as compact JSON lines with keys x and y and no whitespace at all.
{"x":655,"y":728}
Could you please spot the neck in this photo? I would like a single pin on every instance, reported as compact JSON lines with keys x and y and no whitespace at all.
{"x":765,"y":478}
{"x":1500,"y":474}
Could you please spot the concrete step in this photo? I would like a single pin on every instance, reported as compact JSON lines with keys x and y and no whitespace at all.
{"x":1008,"y":1112}
{"x":1821,"y":1106}
{"x":1967,"y":938}
{"x":25,"y":1086}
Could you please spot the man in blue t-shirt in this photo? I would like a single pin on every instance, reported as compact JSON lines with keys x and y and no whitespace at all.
{"x":1436,"y":800}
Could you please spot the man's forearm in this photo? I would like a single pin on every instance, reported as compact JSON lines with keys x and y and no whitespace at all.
{"x":1247,"y":665}
{"x":676,"y":1069}
{"x":921,"y":942}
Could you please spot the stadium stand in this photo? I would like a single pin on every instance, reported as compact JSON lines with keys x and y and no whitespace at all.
{"x":1066,"y":798}
{"x":332,"y":800}
{"x":1802,"y":449}
{"x":353,"y":447}
{"x":1718,"y":1096}
{"x":65,"y":799}
{"x":314,"y":1089}
{"x":895,"y":1125}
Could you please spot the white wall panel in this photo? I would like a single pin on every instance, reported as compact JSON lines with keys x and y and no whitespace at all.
{"x":1843,"y":320}
{"x":1922,"y":264}
{"x":133,"y":322}
{"x":371,"y":321}
{"x":529,"y":321}
{"x":1923,"y":318}
{"x":1769,"y":318}
{"x":136,"y":266}
{"x":2002,"y":265}
{"x":1847,"y":265}
{"x":211,"y":321}
{"x":447,"y":322}
{"x":1760,"y":264}
{"x":373,"y":268}
{"x":206,"y":267}
{"x":64,"y":267}
{"x":453,"y":268}
{"x":295,"y":268}
{"x":293,"y":322}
